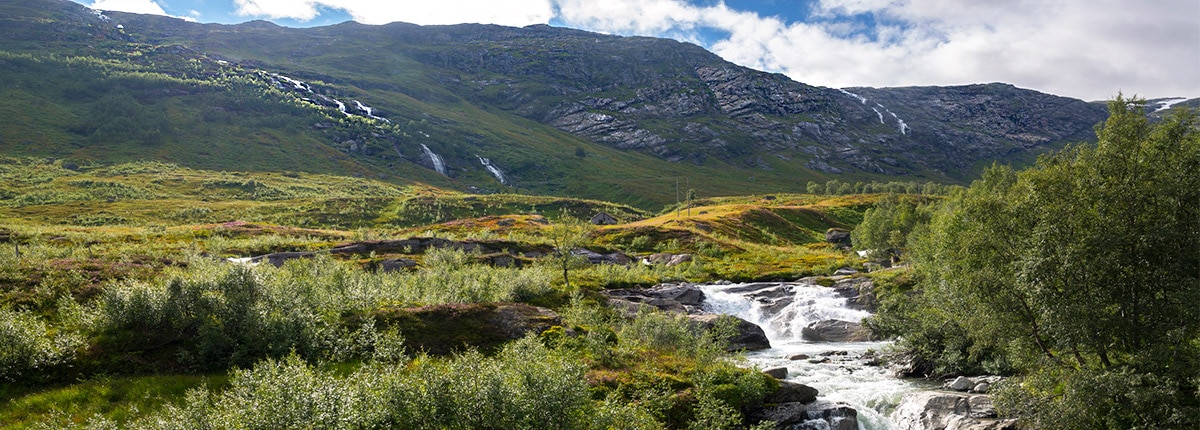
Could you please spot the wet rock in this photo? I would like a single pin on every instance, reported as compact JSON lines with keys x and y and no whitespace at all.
{"x":799,"y":357}
{"x":834,"y":331}
{"x":810,"y":416}
{"x":748,"y":336}
{"x":792,"y":392}
{"x":777,"y":372}
{"x":928,"y":410}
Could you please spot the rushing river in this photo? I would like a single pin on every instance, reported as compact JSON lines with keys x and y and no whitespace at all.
{"x":836,"y":369}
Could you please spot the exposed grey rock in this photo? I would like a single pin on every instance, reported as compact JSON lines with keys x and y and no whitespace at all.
{"x":961,"y":383}
{"x":748,"y":337}
{"x":838,"y":236}
{"x":858,"y":291}
{"x":792,"y":392}
{"x":932,"y":410}
{"x":668,"y":259}
{"x":834,"y":331}
{"x":616,"y":257}
{"x":981,"y":388}
{"x":811,"y":416}
{"x":777,"y":372}
{"x":396,"y":264}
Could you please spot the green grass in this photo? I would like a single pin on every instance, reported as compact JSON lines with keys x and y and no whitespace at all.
{"x":118,"y":398}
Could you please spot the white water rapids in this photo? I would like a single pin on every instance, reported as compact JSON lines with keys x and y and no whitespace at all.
{"x":843,"y":378}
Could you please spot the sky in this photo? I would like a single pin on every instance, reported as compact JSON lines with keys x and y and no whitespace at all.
{"x":1086,"y":49}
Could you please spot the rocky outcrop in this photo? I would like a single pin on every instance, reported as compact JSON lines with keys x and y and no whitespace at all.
{"x":683,"y":298}
{"x":935,"y":410}
{"x":838,"y":236}
{"x":593,"y":257}
{"x":687,"y":299}
{"x":818,"y":415}
{"x":747,"y":335}
{"x":667,"y":259}
{"x":835,"y":331}
{"x":792,"y":392}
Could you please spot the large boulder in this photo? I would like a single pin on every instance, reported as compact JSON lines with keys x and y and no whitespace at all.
{"x":835,"y":331}
{"x":792,"y":392}
{"x":934,"y":410}
{"x":838,"y":236}
{"x":748,"y":336}
{"x":820,"y":415}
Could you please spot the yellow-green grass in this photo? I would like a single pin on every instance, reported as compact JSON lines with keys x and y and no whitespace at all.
{"x":116,"y":398}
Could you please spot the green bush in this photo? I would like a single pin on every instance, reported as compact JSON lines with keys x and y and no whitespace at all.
{"x":28,"y":344}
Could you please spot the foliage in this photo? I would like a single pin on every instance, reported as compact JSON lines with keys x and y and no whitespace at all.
{"x":887,"y":225}
{"x":28,"y":344}
{"x":1083,"y":272}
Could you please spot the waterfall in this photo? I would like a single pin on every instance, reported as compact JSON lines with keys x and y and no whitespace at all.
{"x":1167,"y":103}
{"x":369,"y":111}
{"x":487,"y":164}
{"x":438,"y":164}
{"x":861,"y":99}
{"x":782,"y":309}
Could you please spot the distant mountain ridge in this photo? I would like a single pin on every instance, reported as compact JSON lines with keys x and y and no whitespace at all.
{"x":547,"y":109}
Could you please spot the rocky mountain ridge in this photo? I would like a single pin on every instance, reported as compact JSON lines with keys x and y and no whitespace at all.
{"x":494,"y":107}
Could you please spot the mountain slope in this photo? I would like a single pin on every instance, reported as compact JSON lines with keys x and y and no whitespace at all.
{"x":551,"y":110}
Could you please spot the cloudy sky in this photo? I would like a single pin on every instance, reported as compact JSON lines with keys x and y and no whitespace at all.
{"x":1088,"y":49}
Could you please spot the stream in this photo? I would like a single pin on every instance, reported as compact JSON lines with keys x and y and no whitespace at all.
{"x":836,"y":369}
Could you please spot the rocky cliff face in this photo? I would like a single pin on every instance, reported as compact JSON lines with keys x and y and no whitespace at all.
{"x":681,"y":103}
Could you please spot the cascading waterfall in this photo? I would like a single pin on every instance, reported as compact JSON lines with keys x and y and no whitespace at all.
{"x":487,"y":164}
{"x":899,"y":122}
{"x":370,"y":111}
{"x":438,"y":164}
{"x":783,"y":310}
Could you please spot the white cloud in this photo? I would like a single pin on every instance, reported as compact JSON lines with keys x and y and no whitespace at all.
{"x":131,"y":6}
{"x":509,"y":12}
{"x":1089,"y":49}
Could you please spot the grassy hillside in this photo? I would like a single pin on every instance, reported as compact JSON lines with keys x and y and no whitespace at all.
{"x":114,"y":281}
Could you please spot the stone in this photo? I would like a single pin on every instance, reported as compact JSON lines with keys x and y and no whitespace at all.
{"x":810,"y":416}
{"x":838,"y":236}
{"x":777,"y":372}
{"x":981,"y":388}
{"x":799,"y":357}
{"x":793,"y":392}
{"x":961,"y":383}
{"x":834,"y":331}
{"x":749,"y":336}
{"x":924,"y":410}
{"x":396,"y":264}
